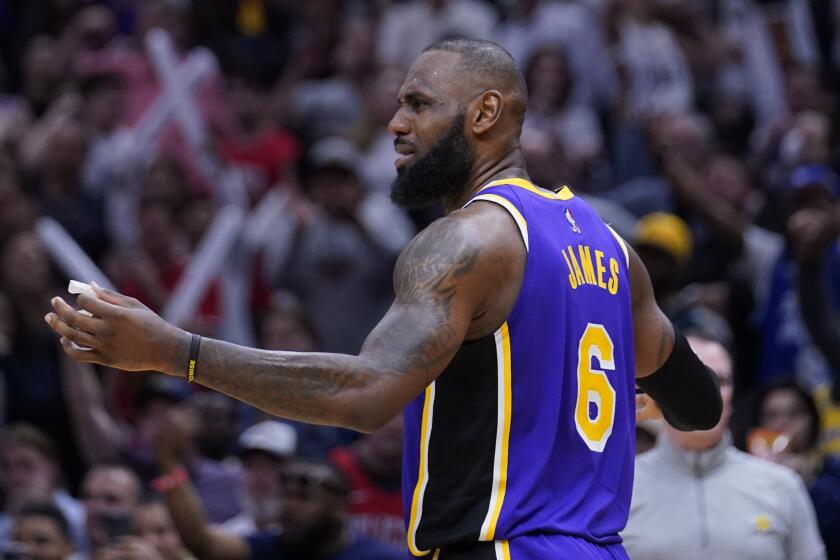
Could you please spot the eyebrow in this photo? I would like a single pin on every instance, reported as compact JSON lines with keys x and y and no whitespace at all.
{"x":415,"y":96}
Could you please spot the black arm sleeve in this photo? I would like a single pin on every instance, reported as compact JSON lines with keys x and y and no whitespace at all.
{"x":685,"y":389}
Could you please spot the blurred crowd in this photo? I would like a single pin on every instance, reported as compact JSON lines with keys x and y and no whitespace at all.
{"x":228,"y":163}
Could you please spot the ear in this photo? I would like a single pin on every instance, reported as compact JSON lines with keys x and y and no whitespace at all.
{"x":488,"y":110}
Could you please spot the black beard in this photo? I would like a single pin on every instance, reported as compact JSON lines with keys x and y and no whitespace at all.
{"x":439,"y":175}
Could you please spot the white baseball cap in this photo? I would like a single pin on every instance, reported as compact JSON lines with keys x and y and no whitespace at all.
{"x":273,"y":437}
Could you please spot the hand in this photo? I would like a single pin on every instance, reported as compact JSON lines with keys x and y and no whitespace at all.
{"x":123,"y":333}
{"x":129,"y":548}
{"x":172,"y":443}
{"x":646,"y":408}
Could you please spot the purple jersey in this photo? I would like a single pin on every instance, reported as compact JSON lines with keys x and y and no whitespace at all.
{"x":530,"y":431}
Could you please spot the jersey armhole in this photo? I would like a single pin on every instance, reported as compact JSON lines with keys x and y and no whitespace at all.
{"x":512,"y":210}
{"x":621,"y":244}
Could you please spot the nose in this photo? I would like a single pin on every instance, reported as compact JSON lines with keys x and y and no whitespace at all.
{"x":398,"y":125}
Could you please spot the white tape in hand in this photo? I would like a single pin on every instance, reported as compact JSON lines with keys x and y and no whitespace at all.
{"x":75,"y":288}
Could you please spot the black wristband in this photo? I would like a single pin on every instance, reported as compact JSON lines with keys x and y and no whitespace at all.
{"x":685,"y":389}
{"x":192,"y":363}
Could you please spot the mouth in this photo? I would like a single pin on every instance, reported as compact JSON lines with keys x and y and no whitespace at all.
{"x":405,"y":151}
{"x":401,"y":161}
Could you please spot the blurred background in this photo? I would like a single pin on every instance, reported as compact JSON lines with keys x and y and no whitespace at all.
{"x":228,"y":164}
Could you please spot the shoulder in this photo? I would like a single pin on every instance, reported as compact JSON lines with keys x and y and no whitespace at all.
{"x":765,"y":473}
{"x":476,"y":252}
{"x":473,"y":233}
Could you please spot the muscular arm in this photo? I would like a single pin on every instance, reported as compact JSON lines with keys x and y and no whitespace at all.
{"x":685,"y":389}
{"x":440,"y":281}
{"x":653,"y":333}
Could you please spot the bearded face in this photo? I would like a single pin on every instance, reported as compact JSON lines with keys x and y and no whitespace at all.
{"x":439,"y":173}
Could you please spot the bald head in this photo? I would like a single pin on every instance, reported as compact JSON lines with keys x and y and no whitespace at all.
{"x":487,"y":65}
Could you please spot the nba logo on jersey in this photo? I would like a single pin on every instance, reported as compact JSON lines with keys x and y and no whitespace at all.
{"x":572,"y":222}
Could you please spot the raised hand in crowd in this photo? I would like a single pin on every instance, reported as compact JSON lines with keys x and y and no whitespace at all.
{"x":129,"y":548}
{"x":174,"y":444}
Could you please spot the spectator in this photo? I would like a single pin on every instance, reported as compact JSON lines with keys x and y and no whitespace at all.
{"x":409,"y":27}
{"x":813,"y":236}
{"x":664,"y":244}
{"x":264,"y":449}
{"x":151,"y":400}
{"x":219,"y":414}
{"x":642,"y":186}
{"x":30,"y":473}
{"x":766,"y":262}
{"x":110,"y":493}
{"x":787,"y":433}
{"x":743,"y":507}
{"x":42,"y":532}
{"x":216,"y":479}
{"x":217,"y":482}
{"x":313,"y":517}
{"x":552,"y":109}
{"x":32,"y":371}
{"x":43,"y":73}
{"x":334,"y":106}
{"x":372,"y":466}
{"x":376,"y":143}
{"x":18,"y":212}
{"x":286,"y":326}
{"x":341,"y":260}
{"x":573,"y":27}
{"x":256,"y":140}
{"x":655,"y":75}
{"x":153,"y":524}
{"x":103,"y":96}
{"x":59,"y":174}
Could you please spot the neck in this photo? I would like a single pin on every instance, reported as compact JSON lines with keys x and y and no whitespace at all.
{"x":510,"y":166}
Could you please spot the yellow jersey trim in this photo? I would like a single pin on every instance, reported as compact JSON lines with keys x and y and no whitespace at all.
{"x":621,"y":243}
{"x":500,"y":463}
{"x":423,"y":476}
{"x":563,"y":194}
{"x":502,"y":550}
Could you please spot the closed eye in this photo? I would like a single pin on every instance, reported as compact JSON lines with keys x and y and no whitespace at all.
{"x":415,"y":102}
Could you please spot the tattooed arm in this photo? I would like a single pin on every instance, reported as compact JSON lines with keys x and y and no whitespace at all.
{"x":442,"y":281}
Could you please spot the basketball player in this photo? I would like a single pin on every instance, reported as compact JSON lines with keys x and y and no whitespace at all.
{"x":520,"y":327}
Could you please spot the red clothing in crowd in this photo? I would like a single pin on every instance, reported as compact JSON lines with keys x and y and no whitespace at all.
{"x":374,"y":511}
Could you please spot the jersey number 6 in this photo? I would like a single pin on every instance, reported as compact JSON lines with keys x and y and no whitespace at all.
{"x":595,"y":424}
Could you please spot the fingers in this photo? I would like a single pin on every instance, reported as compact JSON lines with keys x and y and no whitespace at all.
{"x":91,"y":356}
{"x":74,"y":319}
{"x":97,"y":307}
{"x":73,"y":335}
{"x":113,"y":298}
{"x":641,"y":401}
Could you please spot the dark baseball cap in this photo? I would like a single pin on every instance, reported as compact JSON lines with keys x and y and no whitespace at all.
{"x":814,"y":175}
